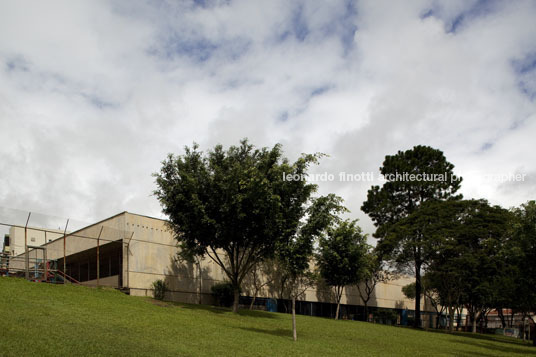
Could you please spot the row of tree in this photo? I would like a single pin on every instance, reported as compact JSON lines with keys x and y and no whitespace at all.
{"x":478,"y":257}
{"x":235,"y":207}
{"x":463,"y":253}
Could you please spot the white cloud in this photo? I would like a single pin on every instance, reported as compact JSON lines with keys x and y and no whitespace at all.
{"x":93,"y":95}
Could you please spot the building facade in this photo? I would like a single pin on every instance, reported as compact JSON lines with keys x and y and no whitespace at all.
{"x":130,"y":251}
{"x":34,"y":236}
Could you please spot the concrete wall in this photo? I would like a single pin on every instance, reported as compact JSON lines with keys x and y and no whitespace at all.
{"x":152,"y":255}
{"x":150,"y":251}
{"x":110,"y":229}
{"x":105,"y":231}
{"x":36,"y":237}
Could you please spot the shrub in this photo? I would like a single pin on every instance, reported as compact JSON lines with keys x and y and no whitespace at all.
{"x":159,"y":289}
{"x":386,"y":316}
{"x":223,"y":293}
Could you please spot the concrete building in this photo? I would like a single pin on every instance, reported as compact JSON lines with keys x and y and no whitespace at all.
{"x":36,"y":236}
{"x":131,"y":251}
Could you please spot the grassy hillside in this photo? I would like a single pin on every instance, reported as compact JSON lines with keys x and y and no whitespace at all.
{"x":40,"y":319}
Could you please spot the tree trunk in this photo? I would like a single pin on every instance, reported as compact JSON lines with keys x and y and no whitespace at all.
{"x":252,"y":302}
{"x":534,"y":332}
{"x":200,"y":286}
{"x":459,"y":320}
{"x":533,"y":338}
{"x":534,"y":341}
{"x":512,"y":318}
{"x":418,"y":293}
{"x":451,"y":319}
{"x":338,"y":291}
{"x":501,"y":316}
{"x":524,"y":328}
{"x":366,"y":312}
{"x":236,"y":299}
{"x":473,"y":319}
{"x":294,"y":333}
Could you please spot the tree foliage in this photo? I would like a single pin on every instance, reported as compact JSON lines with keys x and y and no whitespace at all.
{"x":293,"y":256}
{"x":389,"y":206}
{"x":233,"y":205}
{"x":430,"y":292}
{"x":524,"y":257}
{"x":341,"y":254}
{"x":465,"y":240}
{"x":370,"y":274}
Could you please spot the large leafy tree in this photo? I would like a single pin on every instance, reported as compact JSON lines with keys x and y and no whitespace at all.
{"x":412,"y":177}
{"x":234,"y":206}
{"x":341,"y":254}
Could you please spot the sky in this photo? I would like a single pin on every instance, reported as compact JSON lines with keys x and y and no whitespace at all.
{"x":95,"y":94}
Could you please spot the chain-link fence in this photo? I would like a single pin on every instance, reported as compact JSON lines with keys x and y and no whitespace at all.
{"x":53,"y":249}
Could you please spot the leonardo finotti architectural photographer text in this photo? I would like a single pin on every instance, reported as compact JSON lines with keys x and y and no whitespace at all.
{"x":398,"y":176}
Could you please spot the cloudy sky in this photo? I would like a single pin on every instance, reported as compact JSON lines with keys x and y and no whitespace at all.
{"x":94,"y":94}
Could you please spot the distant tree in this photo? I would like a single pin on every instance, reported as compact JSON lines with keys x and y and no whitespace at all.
{"x":480,"y":236}
{"x":447,"y":286}
{"x":294,"y":255}
{"x":524,"y":233}
{"x":430,"y":293}
{"x":234,"y":206}
{"x":370,"y":274}
{"x":440,"y":251}
{"x":400,"y":196}
{"x":462,"y":250}
{"x":258,"y":278}
{"x":341,"y":255}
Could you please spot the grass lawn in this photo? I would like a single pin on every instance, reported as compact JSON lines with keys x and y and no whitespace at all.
{"x":42,"y":319}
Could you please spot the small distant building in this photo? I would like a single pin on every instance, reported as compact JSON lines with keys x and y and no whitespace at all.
{"x":35,"y":236}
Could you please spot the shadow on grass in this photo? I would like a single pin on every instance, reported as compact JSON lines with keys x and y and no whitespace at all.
{"x":257,"y":313}
{"x":491,"y":338}
{"x":496,"y":338}
{"x":223,"y":310}
{"x":462,"y":352}
{"x":510,"y":351}
{"x":277,"y":332}
{"x":209,"y":308}
{"x":513,"y":346}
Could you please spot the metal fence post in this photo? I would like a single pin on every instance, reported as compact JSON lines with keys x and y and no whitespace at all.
{"x":64,"y":262}
{"x":98,"y":255}
{"x":26,"y":251}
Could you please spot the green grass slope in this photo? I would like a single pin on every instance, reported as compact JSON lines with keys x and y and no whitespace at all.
{"x":42,"y":319}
